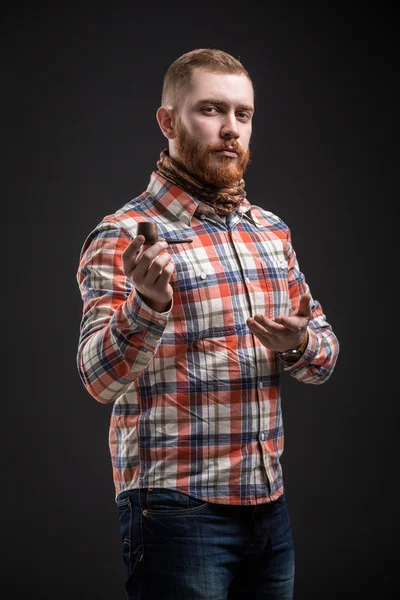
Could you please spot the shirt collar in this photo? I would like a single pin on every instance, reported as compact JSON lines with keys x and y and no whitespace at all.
{"x":182,"y":205}
{"x":171,"y":198}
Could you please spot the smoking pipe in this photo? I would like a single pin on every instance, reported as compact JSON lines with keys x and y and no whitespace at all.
{"x":150,"y":233}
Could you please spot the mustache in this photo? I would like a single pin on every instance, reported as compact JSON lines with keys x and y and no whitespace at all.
{"x":228,"y":145}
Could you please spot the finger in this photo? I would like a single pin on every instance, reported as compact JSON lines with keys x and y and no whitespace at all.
{"x":166,"y":274}
{"x":258,"y":328}
{"x":147,"y":258}
{"x":259,"y":332}
{"x":305,"y":307}
{"x":131,"y":252}
{"x":160,"y":284}
{"x":156,"y":268}
{"x":269,"y":325}
{"x":292,"y":323}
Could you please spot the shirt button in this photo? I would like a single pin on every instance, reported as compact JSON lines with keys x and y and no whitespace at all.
{"x":260,"y":384}
{"x":282,"y":264}
{"x":203,"y":275}
{"x":247,"y":280}
{"x":203,"y":217}
{"x":160,"y":321}
{"x":262,"y":437}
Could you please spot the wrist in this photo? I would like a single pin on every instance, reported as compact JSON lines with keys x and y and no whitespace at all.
{"x":304,"y":343}
{"x":159,"y":307}
{"x":292,"y":355}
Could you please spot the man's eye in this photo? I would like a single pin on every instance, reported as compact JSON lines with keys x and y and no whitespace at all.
{"x":244,"y":115}
{"x":209,"y":109}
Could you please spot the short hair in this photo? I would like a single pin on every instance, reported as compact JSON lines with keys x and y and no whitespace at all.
{"x":178,"y":77}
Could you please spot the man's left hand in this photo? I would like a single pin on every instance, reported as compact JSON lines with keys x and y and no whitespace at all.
{"x":285,"y":332}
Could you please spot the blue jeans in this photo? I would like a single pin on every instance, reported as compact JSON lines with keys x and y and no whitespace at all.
{"x":177,"y":547}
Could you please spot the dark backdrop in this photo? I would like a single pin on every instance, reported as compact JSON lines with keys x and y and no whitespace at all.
{"x":81,"y":85}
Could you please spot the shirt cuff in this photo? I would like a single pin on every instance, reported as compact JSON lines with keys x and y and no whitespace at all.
{"x":145,"y":318}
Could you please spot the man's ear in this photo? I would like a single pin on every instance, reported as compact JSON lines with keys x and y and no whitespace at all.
{"x":166,"y":120}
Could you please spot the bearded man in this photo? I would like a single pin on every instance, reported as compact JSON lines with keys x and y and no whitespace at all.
{"x":187,"y":336}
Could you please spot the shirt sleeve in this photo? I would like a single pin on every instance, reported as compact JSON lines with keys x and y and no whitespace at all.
{"x":318,"y":361}
{"x":119,"y":333}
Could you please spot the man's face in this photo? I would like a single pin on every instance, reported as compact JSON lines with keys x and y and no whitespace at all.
{"x":214,"y":126}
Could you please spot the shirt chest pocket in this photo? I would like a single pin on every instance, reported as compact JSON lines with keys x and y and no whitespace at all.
{"x":203,"y":304}
{"x":277,"y":286}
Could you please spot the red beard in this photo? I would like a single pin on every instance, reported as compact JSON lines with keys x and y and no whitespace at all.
{"x":198,"y":161}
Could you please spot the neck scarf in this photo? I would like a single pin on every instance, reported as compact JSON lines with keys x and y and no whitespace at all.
{"x":223,"y":200}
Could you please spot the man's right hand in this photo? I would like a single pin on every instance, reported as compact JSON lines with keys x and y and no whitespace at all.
{"x":150,"y":269}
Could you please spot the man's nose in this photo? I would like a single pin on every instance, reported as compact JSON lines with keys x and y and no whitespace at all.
{"x":229,"y":128}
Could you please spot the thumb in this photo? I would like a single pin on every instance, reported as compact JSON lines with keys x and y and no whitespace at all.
{"x":304,"y":307}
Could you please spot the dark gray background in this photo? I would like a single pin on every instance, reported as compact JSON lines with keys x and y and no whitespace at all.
{"x":81,"y":85}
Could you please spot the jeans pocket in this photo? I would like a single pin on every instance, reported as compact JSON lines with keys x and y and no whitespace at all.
{"x":125,"y":524}
{"x":162,"y":501}
{"x":130,"y":532}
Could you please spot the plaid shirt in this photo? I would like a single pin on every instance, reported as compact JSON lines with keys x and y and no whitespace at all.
{"x":197,"y":404}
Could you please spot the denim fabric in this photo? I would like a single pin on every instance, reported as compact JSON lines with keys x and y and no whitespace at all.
{"x":177,"y":547}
